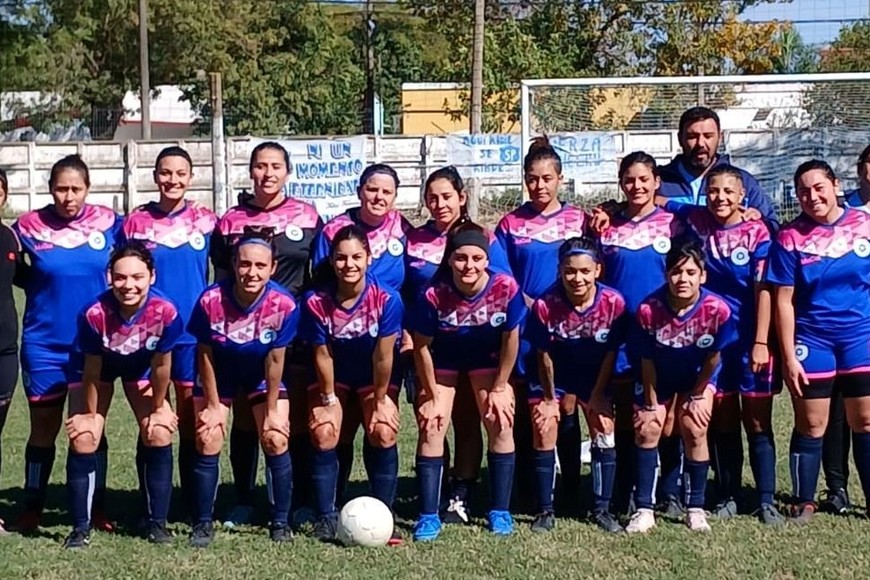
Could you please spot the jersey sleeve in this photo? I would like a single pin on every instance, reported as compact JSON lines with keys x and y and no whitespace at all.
{"x":88,"y":340}
{"x":618,"y":331}
{"x":172,"y":332}
{"x":320,"y":251}
{"x":288,"y":329}
{"x":782,"y":265}
{"x":536,"y":331}
{"x":679,"y":209}
{"x":727,"y":335}
{"x":391,"y":318}
{"x":311,"y":327}
{"x":424,"y":316}
{"x":646,"y":342}
{"x":516,"y":311}
{"x":498,"y":260}
{"x":198,"y":325}
{"x":219,"y":251}
{"x":760,"y":258}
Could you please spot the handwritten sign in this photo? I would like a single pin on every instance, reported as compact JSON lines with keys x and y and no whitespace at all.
{"x":492,"y":156}
{"x":587,"y":155}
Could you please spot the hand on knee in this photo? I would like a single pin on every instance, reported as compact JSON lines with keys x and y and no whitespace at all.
{"x":209,"y":443}
{"x":648,"y":427}
{"x":84,"y":431}
{"x":156,"y":437}
{"x":324,"y":437}
{"x":274,"y":442}
{"x":381,"y":435}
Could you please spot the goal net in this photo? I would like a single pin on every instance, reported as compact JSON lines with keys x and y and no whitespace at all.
{"x":770,"y":124}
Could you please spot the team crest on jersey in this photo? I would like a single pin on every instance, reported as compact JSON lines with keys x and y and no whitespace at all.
{"x":96,"y":240}
{"x":705,"y":341}
{"x":602,"y":335}
{"x":196,"y":241}
{"x":268,"y":336}
{"x":638,"y":389}
{"x":294,"y":233}
{"x":395,"y":247}
{"x":662,"y":245}
{"x":801,"y":352}
{"x":373,"y":330}
{"x":740,"y":256}
{"x":861,"y":248}
{"x":151,"y":343}
{"x":497,"y":319}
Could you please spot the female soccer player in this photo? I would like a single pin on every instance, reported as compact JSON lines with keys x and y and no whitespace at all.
{"x":684,"y":327}
{"x":736,"y":255}
{"x":243,"y":326}
{"x":446,"y":200}
{"x":576,"y":328}
{"x":633,"y":249}
{"x":10,"y":248}
{"x":178,"y":234}
{"x":820,"y":269}
{"x":353,"y":325}
{"x":128,"y":333}
{"x":466,"y":321}
{"x":294,"y":224}
{"x":531,"y":236}
{"x":66,"y":247}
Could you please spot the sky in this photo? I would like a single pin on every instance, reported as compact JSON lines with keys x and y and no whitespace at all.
{"x":829,"y":16}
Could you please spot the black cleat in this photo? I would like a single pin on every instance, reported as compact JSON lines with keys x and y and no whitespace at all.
{"x":544,"y":522}
{"x":326,"y":528}
{"x":77,"y":540}
{"x":835,"y":502}
{"x":280,"y":533}
{"x":158,"y":534}
{"x":607,"y":522}
{"x":202,"y":535}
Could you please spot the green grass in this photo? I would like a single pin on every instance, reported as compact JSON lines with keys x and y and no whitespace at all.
{"x":831,"y":547}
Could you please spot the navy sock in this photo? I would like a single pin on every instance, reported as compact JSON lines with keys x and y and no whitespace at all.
{"x":501,"y":477}
{"x":861,"y":451}
{"x":805,"y":460}
{"x":158,"y":481}
{"x":603,"y":474}
{"x":671,"y":459}
{"x":244,"y":458}
{"x":102,"y":471}
{"x":140,"y":474}
{"x":762,"y":459}
{"x":382,"y":468}
{"x":301,"y":454}
{"x":324,"y":476}
{"x":80,"y":483}
{"x":727,"y":455}
{"x":626,"y":469}
{"x":545,"y":475}
{"x":344,"y":452}
{"x":646,"y":461}
{"x":568,"y":447}
{"x":186,"y":459}
{"x":695,"y":482}
{"x":280,"y":470}
{"x":429,"y":473}
{"x":206,"y":472}
{"x":38,"y":464}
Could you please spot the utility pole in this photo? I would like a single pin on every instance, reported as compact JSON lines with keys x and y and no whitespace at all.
{"x":476,"y":117}
{"x":369,"y":104}
{"x":218,"y":145}
{"x":144,"y":73}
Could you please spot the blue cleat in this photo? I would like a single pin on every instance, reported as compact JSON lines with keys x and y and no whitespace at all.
{"x":427,"y":528}
{"x":500,"y":522}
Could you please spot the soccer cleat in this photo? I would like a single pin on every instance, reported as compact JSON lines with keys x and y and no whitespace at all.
{"x":326,"y":528}
{"x":672,"y":508}
{"x":28,"y":522}
{"x":725,"y":510}
{"x":802,"y":514}
{"x":696,"y":520}
{"x":607,"y":522}
{"x":427,"y":528}
{"x":201,"y":535}
{"x":642,"y":521}
{"x":77,"y":539}
{"x":457,"y":511}
{"x":770,"y":516}
{"x":240,"y":515}
{"x":280,"y":533}
{"x":158,"y":534}
{"x":835,"y":502}
{"x":396,"y":538}
{"x":101,"y":522}
{"x":500,"y":522}
{"x":544,"y":522}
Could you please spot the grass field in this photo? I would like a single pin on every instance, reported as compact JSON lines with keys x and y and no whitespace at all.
{"x":832,"y":547}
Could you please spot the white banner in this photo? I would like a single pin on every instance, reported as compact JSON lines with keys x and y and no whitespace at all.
{"x":488,"y":156}
{"x":586,"y":155}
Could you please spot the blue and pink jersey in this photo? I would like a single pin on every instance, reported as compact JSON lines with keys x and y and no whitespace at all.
{"x":577,"y":340}
{"x":678,"y":345}
{"x":467,"y":331}
{"x":242,"y":337}
{"x":352,"y":333}
{"x":127,"y":346}
{"x":294,"y":224}
{"x":852,"y":198}
{"x":531,"y":241}
{"x":829,"y":268}
{"x":425,"y":250}
{"x":387,"y":244}
{"x":67,"y":268}
{"x":179,"y":243}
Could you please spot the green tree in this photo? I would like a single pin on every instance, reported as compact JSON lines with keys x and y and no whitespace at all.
{"x":842,"y":103}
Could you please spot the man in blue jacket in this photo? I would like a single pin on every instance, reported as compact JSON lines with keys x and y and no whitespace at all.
{"x":683,"y":179}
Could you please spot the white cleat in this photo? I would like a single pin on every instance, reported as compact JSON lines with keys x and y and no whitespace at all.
{"x":641,"y":522}
{"x":696,"y":520}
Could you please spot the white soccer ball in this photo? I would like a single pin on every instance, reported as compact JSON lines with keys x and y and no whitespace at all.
{"x":365,"y":521}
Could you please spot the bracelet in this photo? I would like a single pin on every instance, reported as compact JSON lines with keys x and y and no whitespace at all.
{"x":329,"y":400}
{"x":761,"y":343}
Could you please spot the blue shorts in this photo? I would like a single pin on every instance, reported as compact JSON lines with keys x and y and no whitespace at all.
{"x":583,"y":392}
{"x":227,"y":392}
{"x":46,"y":374}
{"x":356,"y":383}
{"x":527,"y":362}
{"x":183,"y":372}
{"x":823,"y":358}
{"x":666,"y":393}
{"x":736,"y":376}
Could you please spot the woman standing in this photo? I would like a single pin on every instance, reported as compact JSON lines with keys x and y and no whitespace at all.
{"x":66,"y":247}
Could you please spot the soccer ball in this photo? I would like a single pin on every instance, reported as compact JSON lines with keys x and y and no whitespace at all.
{"x":365,"y":521}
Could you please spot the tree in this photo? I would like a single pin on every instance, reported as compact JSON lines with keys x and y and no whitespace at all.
{"x":843,"y":103}
{"x":795,"y":56}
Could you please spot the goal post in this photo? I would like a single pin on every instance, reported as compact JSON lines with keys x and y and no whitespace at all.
{"x":770,"y":123}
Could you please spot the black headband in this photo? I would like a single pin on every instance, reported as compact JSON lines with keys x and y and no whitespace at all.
{"x":471,"y":238}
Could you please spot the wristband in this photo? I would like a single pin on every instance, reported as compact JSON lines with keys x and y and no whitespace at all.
{"x":761,"y":343}
{"x":329,"y":400}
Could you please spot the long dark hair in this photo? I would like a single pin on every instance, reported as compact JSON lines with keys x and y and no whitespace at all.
{"x":683,"y":249}
{"x":73,"y":163}
{"x":324,"y":274}
{"x":451,"y":175}
{"x":541,"y":149}
{"x":132,"y":249}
